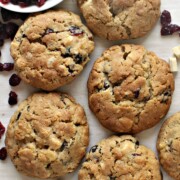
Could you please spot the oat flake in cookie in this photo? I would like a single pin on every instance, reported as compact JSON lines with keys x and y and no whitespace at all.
{"x":168,"y":146}
{"x":48,"y":135}
{"x":120,"y":19}
{"x":120,"y":158}
{"x":51,"y":49}
{"x":130,"y":88}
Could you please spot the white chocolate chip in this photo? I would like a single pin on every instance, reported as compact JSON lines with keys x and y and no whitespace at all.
{"x":29,"y":56}
{"x":50,"y":61}
{"x":173,"y":64}
{"x":176,"y":52}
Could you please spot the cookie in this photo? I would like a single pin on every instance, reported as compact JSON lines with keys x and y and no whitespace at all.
{"x":117,"y":158}
{"x":50,"y":49}
{"x":130,"y":88}
{"x":168,"y":146}
{"x":47,"y":135}
{"x":120,"y":19}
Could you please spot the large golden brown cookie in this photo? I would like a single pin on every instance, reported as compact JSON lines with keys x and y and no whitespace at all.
{"x":120,"y":19}
{"x":47,"y":136}
{"x":168,"y":146}
{"x":50,"y":49}
{"x":120,"y":158}
{"x":130,"y":88}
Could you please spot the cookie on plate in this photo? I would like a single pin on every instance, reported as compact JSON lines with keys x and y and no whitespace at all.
{"x":120,"y":158}
{"x":130,"y":88}
{"x":120,"y":19}
{"x":50,"y":49}
{"x":168,"y":146}
{"x":47,"y":136}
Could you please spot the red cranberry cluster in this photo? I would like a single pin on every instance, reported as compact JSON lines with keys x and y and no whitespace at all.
{"x":3,"y":152}
{"x":8,"y":31}
{"x":167,"y":27}
{"x":24,"y":3}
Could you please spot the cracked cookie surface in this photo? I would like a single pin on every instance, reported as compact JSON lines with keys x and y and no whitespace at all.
{"x":120,"y":19}
{"x":117,"y":158}
{"x":48,"y":135}
{"x":130,"y":88}
{"x":168,"y":146}
{"x":50,"y":49}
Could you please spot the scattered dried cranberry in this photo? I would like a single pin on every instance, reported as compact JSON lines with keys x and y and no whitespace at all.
{"x":7,"y":31}
{"x":2,"y":31}
{"x":11,"y":29}
{"x":24,"y":3}
{"x":1,"y":42}
{"x":2,"y":130}
{"x":9,"y":15}
{"x":1,"y":67}
{"x":8,"y":66}
{"x":76,"y":31}
{"x":3,"y":153}
{"x":40,"y":2}
{"x":14,"y":80}
{"x":165,"y":18}
{"x":12,"y":98}
{"x":5,"y":1}
{"x":169,"y":29}
{"x":14,"y":2}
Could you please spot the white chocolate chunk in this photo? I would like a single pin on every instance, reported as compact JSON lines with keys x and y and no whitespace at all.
{"x":173,"y":64}
{"x":176,"y":52}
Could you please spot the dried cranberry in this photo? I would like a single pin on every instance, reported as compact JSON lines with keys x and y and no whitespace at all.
{"x":1,"y":42}
{"x":14,"y":2}
{"x":2,"y":130}
{"x":136,"y":93}
{"x":24,"y":3}
{"x":165,"y":18}
{"x":93,"y":149}
{"x":8,"y":66}
{"x":12,"y":98}
{"x":8,"y":15}
{"x":3,"y":153}
{"x":48,"y":31}
{"x":11,"y":29}
{"x":2,"y":31}
{"x":76,"y":31}
{"x":40,"y":2}
{"x":78,"y":58}
{"x":64,"y":145}
{"x":1,"y":67}
{"x":14,"y":80}
{"x":136,"y":154}
{"x":169,"y":29}
{"x":5,"y":1}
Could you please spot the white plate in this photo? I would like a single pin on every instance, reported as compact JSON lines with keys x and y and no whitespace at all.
{"x":48,"y":4}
